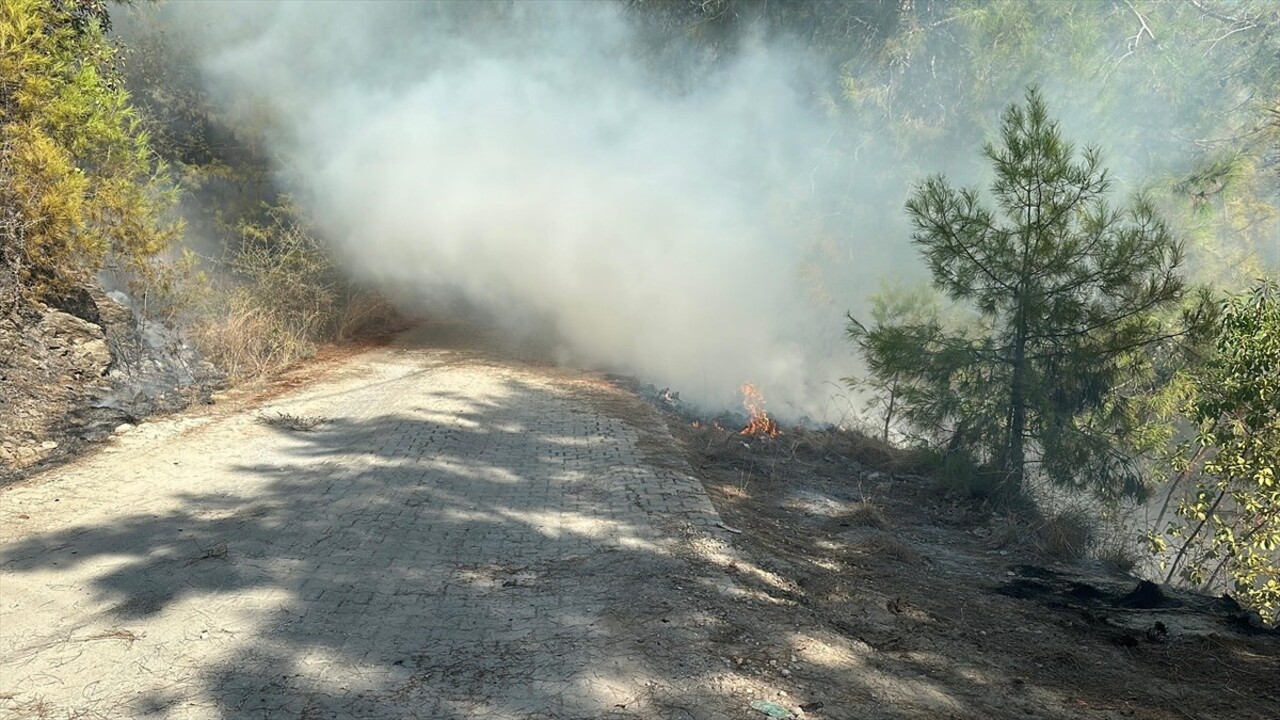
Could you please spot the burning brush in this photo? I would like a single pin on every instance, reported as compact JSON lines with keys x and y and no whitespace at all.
{"x":760,"y":424}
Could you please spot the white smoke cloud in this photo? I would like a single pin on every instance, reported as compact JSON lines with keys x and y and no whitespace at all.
{"x":696,"y":221}
{"x":533,"y":167}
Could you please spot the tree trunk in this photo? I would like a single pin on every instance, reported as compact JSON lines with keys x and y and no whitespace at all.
{"x":888,"y":413}
{"x":1186,"y":544}
{"x":1015,"y":451}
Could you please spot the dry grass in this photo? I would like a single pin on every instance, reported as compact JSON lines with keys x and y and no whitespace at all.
{"x":249,"y":337}
{"x":362,"y":312}
{"x":121,"y":634}
{"x":270,"y":300}
{"x":1117,"y":546}
{"x":1007,"y":531}
{"x":866,"y":514}
{"x":891,"y":547}
{"x":36,"y":709}
{"x":249,"y":341}
{"x":1117,"y":558}
{"x":296,"y":423}
{"x":1066,"y":535}
{"x":867,"y":450}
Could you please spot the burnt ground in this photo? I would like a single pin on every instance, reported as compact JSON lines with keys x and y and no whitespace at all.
{"x":48,"y":424}
{"x":895,"y":601}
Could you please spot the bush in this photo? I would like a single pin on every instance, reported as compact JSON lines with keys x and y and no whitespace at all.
{"x":272,"y":298}
{"x":958,"y":473}
{"x":1228,"y":526}
{"x":1062,"y":289}
{"x":266,"y":304}
{"x":79,"y":184}
{"x":1066,"y":535}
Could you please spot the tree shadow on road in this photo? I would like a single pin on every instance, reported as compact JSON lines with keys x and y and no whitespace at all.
{"x":401,"y":564}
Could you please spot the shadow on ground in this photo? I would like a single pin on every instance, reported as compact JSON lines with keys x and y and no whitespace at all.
{"x":416,"y":563}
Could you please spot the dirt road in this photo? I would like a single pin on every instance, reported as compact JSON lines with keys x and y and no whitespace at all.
{"x":446,"y":543}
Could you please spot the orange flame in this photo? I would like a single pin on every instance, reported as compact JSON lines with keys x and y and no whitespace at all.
{"x":760,"y":423}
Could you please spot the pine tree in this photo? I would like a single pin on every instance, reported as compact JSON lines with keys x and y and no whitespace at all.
{"x":1063,"y":288}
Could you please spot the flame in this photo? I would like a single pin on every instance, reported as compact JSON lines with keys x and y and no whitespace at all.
{"x":760,"y":423}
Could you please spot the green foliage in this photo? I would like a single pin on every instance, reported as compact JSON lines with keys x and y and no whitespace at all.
{"x":263,"y":290}
{"x":956,"y":472}
{"x":884,"y":385}
{"x":79,"y":184}
{"x":283,"y":260}
{"x":1064,"y":288}
{"x":219,"y":154}
{"x":1196,"y":60}
{"x":1229,"y":524}
{"x":269,"y":301}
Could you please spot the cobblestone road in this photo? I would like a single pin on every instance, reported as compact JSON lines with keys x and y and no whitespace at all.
{"x":447,"y":544}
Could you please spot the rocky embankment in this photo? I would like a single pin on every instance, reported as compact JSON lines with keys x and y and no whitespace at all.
{"x":74,"y":374}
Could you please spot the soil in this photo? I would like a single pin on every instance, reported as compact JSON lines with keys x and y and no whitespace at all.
{"x":872,"y":594}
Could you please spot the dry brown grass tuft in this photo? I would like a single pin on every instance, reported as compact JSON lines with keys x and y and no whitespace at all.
{"x":269,"y":302}
{"x":296,"y":423}
{"x":1066,"y":535}
{"x":363,"y":312}
{"x":888,"y":546}
{"x":248,"y":340}
{"x":121,"y":634}
{"x":866,"y":514}
{"x":1117,"y":558}
{"x":867,"y":450}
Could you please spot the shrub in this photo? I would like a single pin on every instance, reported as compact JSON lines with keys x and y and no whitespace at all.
{"x":267,"y":303}
{"x":956,"y":472}
{"x":1227,"y":529}
{"x":1062,"y":288}
{"x":1066,"y":535}
{"x":78,"y":181}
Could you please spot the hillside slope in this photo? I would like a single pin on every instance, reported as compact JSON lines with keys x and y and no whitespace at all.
{"x":903,"y":603}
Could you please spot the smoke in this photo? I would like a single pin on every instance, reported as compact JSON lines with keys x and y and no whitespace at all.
{"x":693,"y":215}
{"x":564,"y":188}
{"x":533,"y":165}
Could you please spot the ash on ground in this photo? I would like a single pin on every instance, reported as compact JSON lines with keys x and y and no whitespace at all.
{"x":668,"y":401}
{"x":82,"y":367}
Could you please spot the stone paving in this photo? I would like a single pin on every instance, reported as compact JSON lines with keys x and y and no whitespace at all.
{"x":447,"y":543}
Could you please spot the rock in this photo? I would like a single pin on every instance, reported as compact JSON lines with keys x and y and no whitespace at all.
{"x":78,"y":369}
{"x":123,"y":428}
{"x":95,"y":354}
{"x":80,"y":341}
